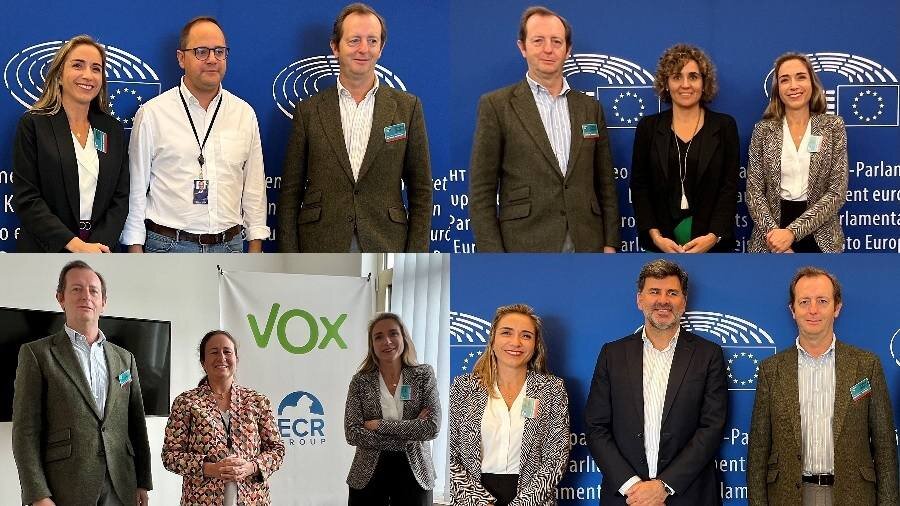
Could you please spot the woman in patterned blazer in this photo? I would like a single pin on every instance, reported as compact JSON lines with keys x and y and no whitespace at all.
{"x":392,"y":412}
{"x":221,"y":437}
{"x":509,"y":420}
{"x":797,"y":173}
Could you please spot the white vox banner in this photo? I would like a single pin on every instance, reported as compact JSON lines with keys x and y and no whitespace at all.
{"x":301,"y":339}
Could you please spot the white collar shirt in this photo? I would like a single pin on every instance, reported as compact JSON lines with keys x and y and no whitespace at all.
{"x":816,"y":384}
{"x":391,"y":404}
{"x":794,"y":164}
{"x":92,"y":359}
{"x":356,"y":123}
{"x":88,"y":173}
{"x":163,"y":161}
{"x":502,"y":429}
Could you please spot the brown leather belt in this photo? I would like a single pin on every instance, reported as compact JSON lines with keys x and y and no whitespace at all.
{"x":819,"y":479}
{"x":181,"y":235}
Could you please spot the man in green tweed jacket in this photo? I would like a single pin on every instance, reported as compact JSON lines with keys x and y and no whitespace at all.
{"x":822,"y":430}
{"x":79,"y":436}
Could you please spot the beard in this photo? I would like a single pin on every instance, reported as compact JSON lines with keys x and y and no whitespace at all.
{"x":658,"y":325}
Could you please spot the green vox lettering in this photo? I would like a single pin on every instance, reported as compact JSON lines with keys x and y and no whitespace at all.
{"x":279,"y":324}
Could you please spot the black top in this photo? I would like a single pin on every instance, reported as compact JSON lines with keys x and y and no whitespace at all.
{"x":681,"y":150}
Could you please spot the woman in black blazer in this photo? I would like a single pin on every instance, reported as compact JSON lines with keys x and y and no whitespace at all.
{"x":685,"y":161}
{"x":392,"y":412}
{"x":70,"y":164}
{"x":509,"y":420}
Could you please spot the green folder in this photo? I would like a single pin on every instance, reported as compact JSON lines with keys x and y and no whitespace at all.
{"x":683,"y":230}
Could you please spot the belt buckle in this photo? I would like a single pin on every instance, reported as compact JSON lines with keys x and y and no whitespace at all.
{"x":201,"y":239}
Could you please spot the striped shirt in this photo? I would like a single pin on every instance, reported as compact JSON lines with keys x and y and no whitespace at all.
{"x":93,"y":363}
{"x":356,"y":122}
{"x":816,"y":379}
{"x":656,"y":367}
{"x":554,"y":113}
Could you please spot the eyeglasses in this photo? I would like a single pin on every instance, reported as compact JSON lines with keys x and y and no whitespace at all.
{"x":202,"y":53}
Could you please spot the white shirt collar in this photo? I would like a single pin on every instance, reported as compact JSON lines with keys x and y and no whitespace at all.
{"x":536,"y":86}
{"x":74,"y":335}
{"x":668,"y":348}
{"x":345,"y":92}
{"x":804,"y":353}
{"x":190,"y":98}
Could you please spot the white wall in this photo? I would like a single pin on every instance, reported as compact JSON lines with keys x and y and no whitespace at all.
{"x":182,"y":289}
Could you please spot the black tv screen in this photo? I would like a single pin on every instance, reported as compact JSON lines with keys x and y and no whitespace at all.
{"x":149,"y":341}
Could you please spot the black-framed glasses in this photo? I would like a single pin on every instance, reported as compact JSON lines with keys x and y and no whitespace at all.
{"x":202,"y":53}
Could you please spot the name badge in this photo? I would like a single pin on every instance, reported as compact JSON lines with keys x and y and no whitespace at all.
{"x":861,"y":389}
{"x":201,"y":191}
{"x":590,"y":131}
{"x":529,"y":407}
{"x":405,"y":392}
{"x":815,"y":141}
{"x":101,"y":141}
{"x":124,"y":378}
{"x":395,"y":133}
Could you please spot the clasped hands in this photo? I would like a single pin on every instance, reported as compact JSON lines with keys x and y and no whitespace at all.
{"x":230,"y":469}
{"x":373,"y":425}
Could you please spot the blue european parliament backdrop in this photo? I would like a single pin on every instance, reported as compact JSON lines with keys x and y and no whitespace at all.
{"x":451,"y":52}
{"x":739,"y":302}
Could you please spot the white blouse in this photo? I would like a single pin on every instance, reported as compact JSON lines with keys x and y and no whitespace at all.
{"x":501,"y":433}
{"x":794,"y":164}
{"x":391,"y":405}
{"x":88,"y":172}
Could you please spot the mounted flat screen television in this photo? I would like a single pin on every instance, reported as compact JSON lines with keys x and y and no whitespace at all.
{"x":149,"y":341}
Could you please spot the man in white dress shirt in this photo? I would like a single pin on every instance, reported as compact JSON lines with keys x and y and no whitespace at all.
{"x":197,"y":175}
{"x":657,"y":407}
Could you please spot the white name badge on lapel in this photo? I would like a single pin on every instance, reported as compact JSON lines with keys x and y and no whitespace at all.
{"x":529,"y":407}
{"x":815,"y":141}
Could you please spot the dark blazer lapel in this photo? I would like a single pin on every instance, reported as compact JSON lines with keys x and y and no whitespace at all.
{"x":790,"y":388}
{"x":661,"y":139}
{"x":844,"y":371}
{"x":106,"y":178}
{"x":382,"y":116}
{"x":708,"y":146}
{"x":330,"y":117}
{"x":525,"y":107}
{"x":684,"y":350}
{"x":63,"y":135}
{"x":634,"y":362}
{"x":61,"y":348}
{"x":114,"y":366}
{"x":578,"y":117}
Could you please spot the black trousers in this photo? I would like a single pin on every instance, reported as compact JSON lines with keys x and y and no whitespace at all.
{"x":392,"y":483}
{"x":790,"y":211}
{"x":502,"y":486}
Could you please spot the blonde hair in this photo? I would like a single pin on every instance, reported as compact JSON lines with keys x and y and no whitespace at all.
{"x":370,"y":363}
{"x":817,"y":103}
{"x":50,"y":101}
{"x":485,"y":368}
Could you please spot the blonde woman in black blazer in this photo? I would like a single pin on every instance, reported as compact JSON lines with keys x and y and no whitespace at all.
{"x":795,"y":207}
{"x":685,"y":161}
{"x":392,"y":412}
{"x":513,"y":371}
{"x":59,"y":212}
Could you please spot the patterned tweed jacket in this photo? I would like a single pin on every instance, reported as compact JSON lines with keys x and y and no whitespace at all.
{"x":865,"y":445}
{"x":196,"y":434}
{"x":827,"y":190}
{"x":410,"y":435}
{"x":545,"y":442}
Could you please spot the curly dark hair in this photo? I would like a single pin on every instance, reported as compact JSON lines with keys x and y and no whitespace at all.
{"x":673,"y":60}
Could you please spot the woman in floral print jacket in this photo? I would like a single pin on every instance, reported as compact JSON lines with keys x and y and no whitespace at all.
{"x":221,"y":437}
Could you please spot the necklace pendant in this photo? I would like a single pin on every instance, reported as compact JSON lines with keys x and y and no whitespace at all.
{"x":201,"y":159}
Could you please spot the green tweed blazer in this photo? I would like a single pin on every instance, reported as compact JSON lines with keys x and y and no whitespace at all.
{"x":63,"y":447}
{"x":512,"y":156}
{"x":865,"y":448}
{"x":320,"y":202}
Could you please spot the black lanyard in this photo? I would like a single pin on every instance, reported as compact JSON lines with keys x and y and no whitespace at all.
{"x":200,"y":158}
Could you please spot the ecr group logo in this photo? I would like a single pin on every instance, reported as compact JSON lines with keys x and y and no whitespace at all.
{"x":469,"y":335}
{"x":304,"y":78}
{"x":863,"y":92}
{"x":131,"y":81}
{"x":301,"y":419}
{"x":744,"y":343}
{"x":625,"y":89}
